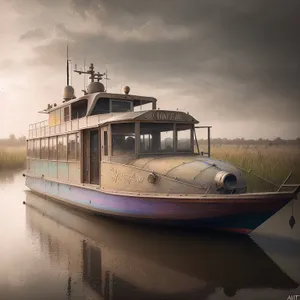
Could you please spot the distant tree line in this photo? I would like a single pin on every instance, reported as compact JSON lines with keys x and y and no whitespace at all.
{"x":13,"y":141}
{"x":241,"y":141}
{"x":21,"y":141}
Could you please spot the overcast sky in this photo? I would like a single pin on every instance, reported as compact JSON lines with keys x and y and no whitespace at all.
{"x":231,"y":64}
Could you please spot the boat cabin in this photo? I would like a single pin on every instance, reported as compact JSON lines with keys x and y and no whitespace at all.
{"x":82,"y":133}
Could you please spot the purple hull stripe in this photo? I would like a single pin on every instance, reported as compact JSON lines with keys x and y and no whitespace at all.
{"x":163,"y":209}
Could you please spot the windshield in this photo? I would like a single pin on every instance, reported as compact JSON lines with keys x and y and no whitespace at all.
{"x":165,"y":138}
{"x":123,"y":139}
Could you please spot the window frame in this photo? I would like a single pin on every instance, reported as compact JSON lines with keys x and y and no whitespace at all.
{"x":128,"y":134}
{"x":51,"y":148}
{"x":121,"y":100}
{"x":174,"y":150}
{"x":61,"y":157}
{"x":190,"y":128}
{"x":72,"y":157}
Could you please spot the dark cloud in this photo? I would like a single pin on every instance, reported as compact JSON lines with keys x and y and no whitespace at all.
{"x":36,"y":34}
{"x":239,"y":56}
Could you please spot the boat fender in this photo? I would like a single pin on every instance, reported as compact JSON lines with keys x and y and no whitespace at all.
{"x":152,"y":178}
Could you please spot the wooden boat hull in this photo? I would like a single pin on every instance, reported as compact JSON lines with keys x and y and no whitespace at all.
{"x":234,"y":213}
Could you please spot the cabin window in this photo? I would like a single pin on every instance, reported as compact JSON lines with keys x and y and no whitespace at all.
{"x":105,"y":143}
{"x":79,"y":109}
{"x":184,"y":143}
{"x":101,"y":107}
{"x":44,"y":148}
{"x":57,"y":117}
{"x":146,"y":143}
{"x":33,"y":149}
{"x":123,"y":139}
{"x":65,"y":114}
{"x":156,"y":137}
{"x":62,"y":147}
{"x":72,"y":146}
{"x":37,"y":146}
{"x":78,"y":146}
{"x":120,"y":106}
{"x":52,"y":148}
{"x":52,"y":118}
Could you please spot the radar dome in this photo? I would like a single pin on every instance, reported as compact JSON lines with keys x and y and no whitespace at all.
{"x":95,"y":87}
{"x":68,"y":93}
{"x":126,"y":89}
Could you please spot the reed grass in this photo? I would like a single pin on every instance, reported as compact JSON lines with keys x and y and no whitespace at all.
{"x":12,"y":158}
{"x":273,"y":163}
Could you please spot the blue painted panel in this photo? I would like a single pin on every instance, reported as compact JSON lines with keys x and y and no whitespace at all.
{"x":44,"y":167}
{"x":52,"y":169}
{"x":63,"y":171}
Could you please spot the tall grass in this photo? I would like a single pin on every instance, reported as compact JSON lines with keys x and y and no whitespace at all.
{"x":12,"y":158}
{"x":273,"y":163}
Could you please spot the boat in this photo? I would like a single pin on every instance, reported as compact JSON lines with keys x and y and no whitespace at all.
{"x":130,"y":262}
{"x":105,"y":153}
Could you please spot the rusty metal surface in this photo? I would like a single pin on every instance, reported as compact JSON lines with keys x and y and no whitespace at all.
{"x":151,"y":116}
{"x":127,"y":178}
{"x":194,"y":170}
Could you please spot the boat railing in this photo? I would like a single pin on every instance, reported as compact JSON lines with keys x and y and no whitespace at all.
{"x":43,"y":129}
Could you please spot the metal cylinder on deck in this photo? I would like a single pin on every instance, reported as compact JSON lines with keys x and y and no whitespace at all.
{"x":225,"y":180}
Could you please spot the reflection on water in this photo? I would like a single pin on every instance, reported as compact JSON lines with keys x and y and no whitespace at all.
{"x":62,"y":253}
{"x":6,"y":177}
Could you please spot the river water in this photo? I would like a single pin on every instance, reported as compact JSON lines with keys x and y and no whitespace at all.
{"x":49,"y":251}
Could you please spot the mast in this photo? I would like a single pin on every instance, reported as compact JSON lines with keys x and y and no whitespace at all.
{"x":106,"y":78}
{"x":68,"y":90}
{"x":68,"y":75}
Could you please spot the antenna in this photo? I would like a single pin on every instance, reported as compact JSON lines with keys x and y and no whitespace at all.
{"x":106,"y":78}
{"x":91,"y":71}
{"x":68,"y":65}
{"x":71,"y":79}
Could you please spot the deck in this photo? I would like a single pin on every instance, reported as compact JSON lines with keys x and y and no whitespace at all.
{"x":42,"y":129}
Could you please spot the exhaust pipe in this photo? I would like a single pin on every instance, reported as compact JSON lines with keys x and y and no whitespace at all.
{"x":226,"y":181}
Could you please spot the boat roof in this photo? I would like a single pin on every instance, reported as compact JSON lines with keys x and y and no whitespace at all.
{"x":92,"y":99}
{"x":152,"y":116}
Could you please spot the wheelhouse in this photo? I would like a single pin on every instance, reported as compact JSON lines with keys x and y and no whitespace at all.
{"x":148,"y":133}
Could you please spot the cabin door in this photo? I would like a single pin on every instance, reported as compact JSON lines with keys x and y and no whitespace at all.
{"x":94,"y":156}
{"x":91,"y":156}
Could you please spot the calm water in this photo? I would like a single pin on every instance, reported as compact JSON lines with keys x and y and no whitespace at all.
{"x":51,"y":252}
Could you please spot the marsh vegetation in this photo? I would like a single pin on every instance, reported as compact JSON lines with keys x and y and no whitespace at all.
{"x":273,"y":163}
{"x":12,"y":158}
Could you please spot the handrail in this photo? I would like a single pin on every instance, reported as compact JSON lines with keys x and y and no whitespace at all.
{"x":283,"y":185}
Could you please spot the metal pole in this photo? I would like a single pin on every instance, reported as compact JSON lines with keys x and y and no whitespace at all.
{"x":208,"y":140}
{"x":196,"y":141}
